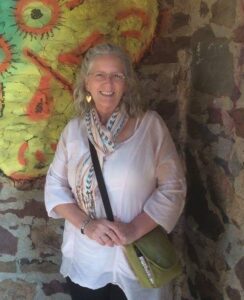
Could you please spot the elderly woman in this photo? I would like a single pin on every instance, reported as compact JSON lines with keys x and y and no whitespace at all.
{"x":141,"y":169}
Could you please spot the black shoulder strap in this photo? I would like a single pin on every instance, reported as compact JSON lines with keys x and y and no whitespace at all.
{"x":100,"y":181}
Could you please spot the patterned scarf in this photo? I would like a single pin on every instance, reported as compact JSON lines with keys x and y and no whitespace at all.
{"x":103,"y":138}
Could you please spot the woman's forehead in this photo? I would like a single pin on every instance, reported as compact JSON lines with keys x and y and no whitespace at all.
{"x":106,"y":61}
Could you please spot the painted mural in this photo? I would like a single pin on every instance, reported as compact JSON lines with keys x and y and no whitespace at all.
{"x":193,"y":76}
{"x":41,"y":44}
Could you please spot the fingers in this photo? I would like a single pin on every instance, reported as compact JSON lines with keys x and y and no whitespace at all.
{"x":124,"y":232}
{"x":109,"y":238}
{"x":108,"y":233}
{"x":113,"y":236}
{"x":105,"y":240}
{"x":99,"y":231}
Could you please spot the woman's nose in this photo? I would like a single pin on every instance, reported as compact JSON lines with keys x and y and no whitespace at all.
{"x":108,"y":79}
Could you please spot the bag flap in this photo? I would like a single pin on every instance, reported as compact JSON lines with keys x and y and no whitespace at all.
{"x":157,"y":248}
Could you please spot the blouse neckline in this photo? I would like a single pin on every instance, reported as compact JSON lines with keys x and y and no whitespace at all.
{"x":136,"y":131}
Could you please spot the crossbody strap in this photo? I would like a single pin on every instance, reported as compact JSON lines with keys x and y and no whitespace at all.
{"x":100,"y":181}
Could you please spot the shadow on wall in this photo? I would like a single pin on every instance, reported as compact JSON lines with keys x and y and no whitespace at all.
{"x":214,"y":160}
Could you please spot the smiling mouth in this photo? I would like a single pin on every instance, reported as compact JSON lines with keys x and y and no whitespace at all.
{"x":107,"y":94}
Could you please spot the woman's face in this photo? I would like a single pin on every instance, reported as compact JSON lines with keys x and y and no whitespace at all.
{"x":106,"y":83}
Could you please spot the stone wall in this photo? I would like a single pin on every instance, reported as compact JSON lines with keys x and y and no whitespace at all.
{"x":193,"y":76}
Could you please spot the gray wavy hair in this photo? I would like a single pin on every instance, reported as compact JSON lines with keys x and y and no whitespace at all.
{"x":132,"y":100}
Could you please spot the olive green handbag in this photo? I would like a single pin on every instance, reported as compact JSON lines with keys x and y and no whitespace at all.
{"x":152,"y":257}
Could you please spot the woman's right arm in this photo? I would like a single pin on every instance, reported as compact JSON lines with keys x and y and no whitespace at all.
{"x":57,"y":192}
{"x":95,"y":229}
{"x":60,"y":202}
{"x":59,"y":199}
{"x":72,"y":213}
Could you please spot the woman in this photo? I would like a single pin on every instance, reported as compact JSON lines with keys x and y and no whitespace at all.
{"x":141,"y":170}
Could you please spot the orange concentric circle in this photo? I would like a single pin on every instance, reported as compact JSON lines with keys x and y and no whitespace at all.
{"x":37,"y":16}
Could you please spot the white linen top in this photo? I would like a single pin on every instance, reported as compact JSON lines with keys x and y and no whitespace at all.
{"x":144,"y":173}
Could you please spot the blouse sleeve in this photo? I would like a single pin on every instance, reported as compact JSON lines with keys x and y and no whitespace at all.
{"x":166,"y":202}
{"x":57,"y":189}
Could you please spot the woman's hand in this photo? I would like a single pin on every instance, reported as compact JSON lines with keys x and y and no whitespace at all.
{"x":129,"y":232}
{"x":125,"y":232}
{"x":101,"y":231}
{"x":118,"y":233}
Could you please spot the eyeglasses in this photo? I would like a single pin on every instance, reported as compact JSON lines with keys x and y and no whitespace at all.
{"x":102,"y":76}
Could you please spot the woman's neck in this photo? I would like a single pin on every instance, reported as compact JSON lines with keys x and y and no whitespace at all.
{"x":104,"y":116}
{"x":129,"y":129}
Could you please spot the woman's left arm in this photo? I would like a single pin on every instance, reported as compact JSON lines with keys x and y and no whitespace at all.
{"x":166,"y":202}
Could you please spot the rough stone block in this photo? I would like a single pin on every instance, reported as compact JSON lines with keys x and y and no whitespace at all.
{"x":38,"y":266}
{"x":19,"y":290}
{"x":224,"y":12}
{"x":8,"y":267}
{"x":8,"y":243}
{"x":212,"y":64}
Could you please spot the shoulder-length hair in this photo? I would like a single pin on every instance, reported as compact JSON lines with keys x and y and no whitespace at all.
{"x":132,"y":100}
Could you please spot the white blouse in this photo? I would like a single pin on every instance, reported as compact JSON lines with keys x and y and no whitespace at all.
{"x":144,"y":173}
